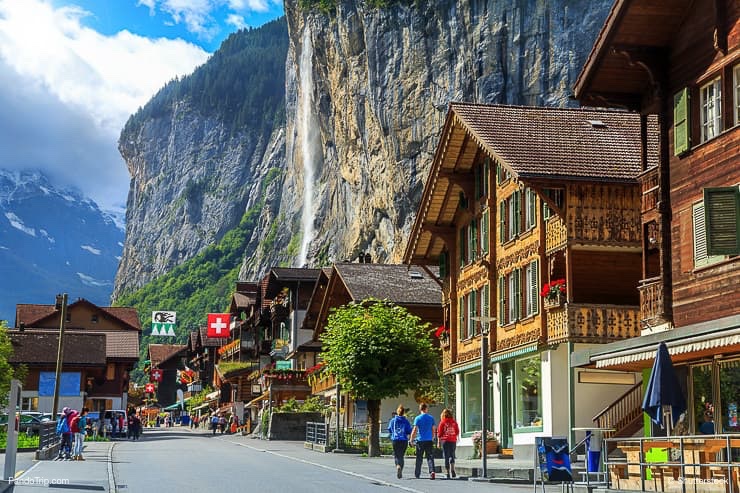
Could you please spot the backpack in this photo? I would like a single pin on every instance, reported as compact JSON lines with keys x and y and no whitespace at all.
{"x":75,"y":425}
{"x":62,"y":426}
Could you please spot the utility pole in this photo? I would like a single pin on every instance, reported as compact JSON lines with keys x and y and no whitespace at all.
{"x":60,"y":306}
{"x":484,"y":322}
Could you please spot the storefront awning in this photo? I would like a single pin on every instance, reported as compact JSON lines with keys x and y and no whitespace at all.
{"x":684,"y":344}
{"x":514,"y":352}
{"x":262,"y":397}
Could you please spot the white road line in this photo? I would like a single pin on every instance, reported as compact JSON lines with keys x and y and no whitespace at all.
{"x":349,"y":473}
{"x":111,"y":479}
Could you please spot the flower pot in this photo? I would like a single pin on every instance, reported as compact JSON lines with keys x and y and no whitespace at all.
{"x":556,"y":301}
{"x":491,"y":447}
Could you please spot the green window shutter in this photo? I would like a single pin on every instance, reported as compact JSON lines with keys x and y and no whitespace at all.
{"x":534,"y":288}
{"x":722,"y":220}
{"x":501,"y":300}
{"x":502,"y":221}
{"x":463,"y":239}
{"x":472,"y":312}
{"x":473,"y":240}
{"x":498,"y":173}
{"x":484,"y":232}
{"x":517,"y":212}
{"x":461,"y":317}
{"x":517,"y":293}
{"x":485,"y":301}
{"x":486,"y":175}
{"x":701,"y":259}
{"x":681,"y":121}
{"x":443,"y":265}
{"x":532,"y":206}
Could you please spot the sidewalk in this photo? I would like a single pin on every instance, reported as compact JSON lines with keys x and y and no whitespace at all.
{"x":92,"y":474}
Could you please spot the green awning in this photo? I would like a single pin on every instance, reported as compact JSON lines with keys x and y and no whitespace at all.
{"x":514,"y":352}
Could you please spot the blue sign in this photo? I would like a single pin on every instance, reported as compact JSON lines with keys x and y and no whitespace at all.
{"x":69,"y":383}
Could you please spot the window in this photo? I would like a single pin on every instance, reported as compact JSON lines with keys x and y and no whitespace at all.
{"x":444,"y":264}
{"x":528,"y":398}
{"x":461,"y":321}
{"x":711,"y":109}
{"x":110,"y":372}
{"x":472,"y":402}
{"x":473,"y":241}
{"x":472,"y":312}
{"x":722,"y":220}
{"x":531,"y":289}
{"x":484,"y":228}
{"x":554,"y":195}
{"x":463,"y":246}
{"x":736,"y":85}
{"x":530,"y":209}
{"x":701,"y":259}
{"x":510,"y":217}
{"x":502,"y":174}
{"x":94,"y":318}
{"x":514,"y":294}
{"x":481,"y":179}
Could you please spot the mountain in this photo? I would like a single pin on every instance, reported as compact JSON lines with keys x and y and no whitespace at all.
{"x":53,"y":240}
{"x":364,"y":90}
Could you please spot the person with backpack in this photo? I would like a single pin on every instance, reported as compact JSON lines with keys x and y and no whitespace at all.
{"x":448,"y":433}
{"x":214,"y":423}
{"x":78,"y":426}
{"x":65,"y":446}
{"x":399,"y":429}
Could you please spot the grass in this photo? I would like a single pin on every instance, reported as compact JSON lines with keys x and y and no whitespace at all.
{"x":24,"y":441}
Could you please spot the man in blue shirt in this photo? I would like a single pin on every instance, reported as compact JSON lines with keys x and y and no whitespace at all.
{"x":425,"y":429}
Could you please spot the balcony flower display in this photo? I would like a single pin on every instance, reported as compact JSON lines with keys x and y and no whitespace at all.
{"x":443,"y":334}
{"x":553,"y":291}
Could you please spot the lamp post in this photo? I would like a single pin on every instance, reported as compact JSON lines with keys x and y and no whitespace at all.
{"x":60,"y":306}
{"x":484,"y":322}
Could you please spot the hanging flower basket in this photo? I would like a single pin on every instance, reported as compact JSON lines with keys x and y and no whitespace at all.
{"x":553,"y":293}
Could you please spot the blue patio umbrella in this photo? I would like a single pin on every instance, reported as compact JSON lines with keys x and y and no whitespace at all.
{"x":663,"y":389}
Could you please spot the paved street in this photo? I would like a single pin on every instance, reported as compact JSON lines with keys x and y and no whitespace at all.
{"x":180,"y":460}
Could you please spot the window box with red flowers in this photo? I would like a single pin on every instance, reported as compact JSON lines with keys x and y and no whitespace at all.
{"x":443,"y":334}
{"x":553,"y":293}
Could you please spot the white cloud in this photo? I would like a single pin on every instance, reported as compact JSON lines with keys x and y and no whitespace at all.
{"x":90,"y":249}
{"x":91,"y":281}
{"x":66,"y":91}
{"x":236,"y":20}
{"x":18,"y":224}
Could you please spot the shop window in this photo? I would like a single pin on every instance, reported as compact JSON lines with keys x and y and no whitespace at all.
{"x":711,"y":109}
{"x":729,"y":390}
{"x":703,"y":402}
{"x":528,"y":392}
{"x":472,"y":402}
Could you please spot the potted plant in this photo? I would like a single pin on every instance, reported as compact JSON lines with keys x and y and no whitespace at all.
{"x":491,"y":442}
{"x":553,"y":293}
{"x":443,"y":334}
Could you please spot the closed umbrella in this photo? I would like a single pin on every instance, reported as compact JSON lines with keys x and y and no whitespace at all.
{"x":663,"y":389}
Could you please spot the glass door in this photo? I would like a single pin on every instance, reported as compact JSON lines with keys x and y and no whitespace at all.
{"x":507,"y":405}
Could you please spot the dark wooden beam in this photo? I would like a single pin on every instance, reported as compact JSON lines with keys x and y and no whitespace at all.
{"x":720,"y":31}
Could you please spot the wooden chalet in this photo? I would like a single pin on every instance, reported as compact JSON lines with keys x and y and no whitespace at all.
{"x":168,"y":359}
{"x":680,"y":60}
{"x":101,"y":347}
{"x":517,"y":198}
{"x":412,"y":287}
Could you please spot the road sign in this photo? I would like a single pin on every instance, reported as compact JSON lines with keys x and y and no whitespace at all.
{"x":218,"y":324}
{"x":163,"y":323}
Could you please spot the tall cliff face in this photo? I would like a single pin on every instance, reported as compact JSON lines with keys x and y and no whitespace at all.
{"x":380,"y":83}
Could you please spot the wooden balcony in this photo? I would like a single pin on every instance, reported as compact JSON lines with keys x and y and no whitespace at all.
{"x":652,"y":310}
{"x":323,"y":384}
{"x":650,"y":188}
{"x":592,"y":323}
{"x":556,"y":234}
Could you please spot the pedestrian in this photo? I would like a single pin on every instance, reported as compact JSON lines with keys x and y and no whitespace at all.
{"x":424,"y":428}
{"x":121,"y":423}
{"x":222,"y":424}
{"x":135,"y":426}
{"x":113,"y":424}
{"x":65,"y":447}
{"x":78,"y":427}
{"x":399,"y":429}
{"x":448,"y":434}
{"x":214,"y":423}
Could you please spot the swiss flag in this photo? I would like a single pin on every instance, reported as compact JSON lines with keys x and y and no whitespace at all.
{"x":156,"y":375}
{"x":149,"y":388}
{"x":218,"y":324}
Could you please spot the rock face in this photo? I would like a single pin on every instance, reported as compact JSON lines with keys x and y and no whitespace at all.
{"x":381,"y":83}
{"x":363,"y":122}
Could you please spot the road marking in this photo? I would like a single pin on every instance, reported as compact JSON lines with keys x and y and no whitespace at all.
{"x":335,"y":469}
{"x":111,"y":479}
{"x":18,"y":473}
{"x":29,"y":470}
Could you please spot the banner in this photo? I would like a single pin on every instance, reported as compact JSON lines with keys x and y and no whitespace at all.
{"x":163,"y":323}
{"x":218,"y":324}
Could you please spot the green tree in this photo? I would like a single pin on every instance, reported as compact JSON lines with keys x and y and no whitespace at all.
{"x":7,"y":372}
{"x":377,"y":350}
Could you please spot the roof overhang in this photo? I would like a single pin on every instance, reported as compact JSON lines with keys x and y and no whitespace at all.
{"x":695,"y":342}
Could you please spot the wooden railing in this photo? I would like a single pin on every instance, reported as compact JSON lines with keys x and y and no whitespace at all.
{"x":592,"y":323}
{"x":556,"y":234}
{"x":650,"y":187}
{"x":651,"y":299}
{"x":620,"y":413}
{"x":323,"y":384}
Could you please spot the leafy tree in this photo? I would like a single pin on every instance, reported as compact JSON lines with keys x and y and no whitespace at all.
{"x":7,"y":372}
{"x":377,"y":350}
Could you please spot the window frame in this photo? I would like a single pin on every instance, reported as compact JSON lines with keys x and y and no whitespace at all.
{"x":531,"y":305}
{"x":710,"y":103}
{"x":736,"y":87}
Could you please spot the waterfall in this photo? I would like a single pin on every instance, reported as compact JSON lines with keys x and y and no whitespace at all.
{"x":308,"y":136}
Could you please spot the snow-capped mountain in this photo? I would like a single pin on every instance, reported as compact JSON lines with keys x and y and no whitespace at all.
{"x":53,"y":240}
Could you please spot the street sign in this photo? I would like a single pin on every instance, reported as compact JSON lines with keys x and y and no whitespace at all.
{"x":218,"y":324}
{"x":163,"y":323}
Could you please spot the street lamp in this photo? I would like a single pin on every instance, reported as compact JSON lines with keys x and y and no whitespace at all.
{"x":484,"y":322}
{"x":60,"y":306}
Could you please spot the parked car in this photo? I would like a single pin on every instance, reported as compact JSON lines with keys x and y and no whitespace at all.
{"x":27,"y":423}
{"x":121,"y":431}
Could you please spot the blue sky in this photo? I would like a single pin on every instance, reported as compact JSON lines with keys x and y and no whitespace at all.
{"x":73,"y":71}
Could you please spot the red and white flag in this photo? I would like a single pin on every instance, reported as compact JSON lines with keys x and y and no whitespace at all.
{"x":149,"y":388}
{"x":218,"y":324}
{"x":156,"y":375}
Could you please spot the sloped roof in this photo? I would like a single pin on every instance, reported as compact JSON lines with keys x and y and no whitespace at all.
{"x":39,"y":347}
{"x":400,"y":284}
{"x":210,"y":341}
{"x":121,"y":343}
{"x":160,"y":353}
{"x":574,"y":143}
{"x":32,"y":314}
{"x":243,"y":300}
{"x":294,"y":273}
{"x":124,"y":313}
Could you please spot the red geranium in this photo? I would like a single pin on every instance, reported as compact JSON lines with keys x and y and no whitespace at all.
{"x":440,"y":331}
{"x":551,"y":289}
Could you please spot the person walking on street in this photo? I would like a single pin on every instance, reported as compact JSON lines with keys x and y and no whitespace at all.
{"x":214,"y":423}
{"x":448,"y":433}
{"x":222,"y":424}
{"x":134,"y":426}
{"x":65,"y":447}
{"x":424,"y":428}
{"x":399,"y":429}
{"x":79,"y":424}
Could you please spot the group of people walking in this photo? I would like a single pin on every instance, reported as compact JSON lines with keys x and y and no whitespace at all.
{"x":72,"y":427}
{"x":422,"y":435}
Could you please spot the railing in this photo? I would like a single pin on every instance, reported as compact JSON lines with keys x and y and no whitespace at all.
{"x":650,"y":187}
{"x":651,"y":299}
{"x":592,"y":323}
{"x":324,"y":383}
{"x":230,"y":348}
{"x":316,"y":433}
{"x":556,"y":234}
{"x":621,"y":412}
{"x":704,"y":463}
{"x":48,"y":435}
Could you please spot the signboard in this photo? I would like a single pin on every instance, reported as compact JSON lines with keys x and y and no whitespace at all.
{"x":149,"y":388}
{"x":218,"y":325}
{"x":553,"y":458}
{"x":283,"y":365}
{"x":163,"y":323}
{"x":69,"y":383}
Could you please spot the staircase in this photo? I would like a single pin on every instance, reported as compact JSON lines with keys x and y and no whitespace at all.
{"x":624,"y":415}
